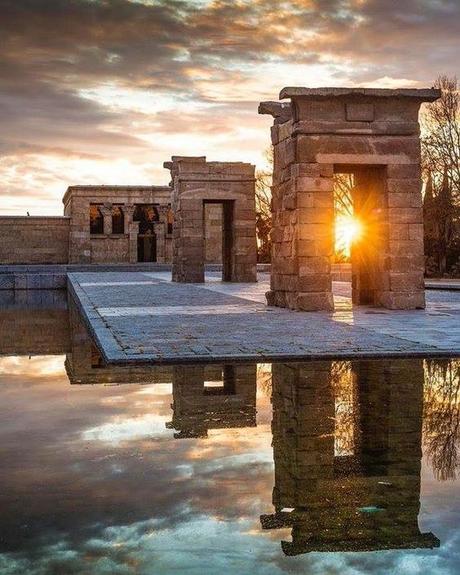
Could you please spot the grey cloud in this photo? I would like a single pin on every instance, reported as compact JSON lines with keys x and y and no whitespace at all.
{"x":52,"y":49}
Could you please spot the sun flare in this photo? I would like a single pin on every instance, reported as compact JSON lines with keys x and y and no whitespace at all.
{"x":348,"y":229}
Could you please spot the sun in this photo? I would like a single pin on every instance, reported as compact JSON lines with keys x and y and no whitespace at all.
{"x":348,"y":230}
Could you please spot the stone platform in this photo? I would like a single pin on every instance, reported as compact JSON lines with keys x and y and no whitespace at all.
{"x":143,"y":317}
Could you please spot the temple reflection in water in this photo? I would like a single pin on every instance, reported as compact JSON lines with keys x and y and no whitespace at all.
{"x":347,"y":436}
{"x":347,"y":452}
{"x":212,"y":397}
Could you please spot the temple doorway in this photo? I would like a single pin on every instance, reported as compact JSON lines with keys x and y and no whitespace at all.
{"x":147,"y":247}
{"x":223,"y":237}
{"x":147,"y":216}
{"x":361,"y":218}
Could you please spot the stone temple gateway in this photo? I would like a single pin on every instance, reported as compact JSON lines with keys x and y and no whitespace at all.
{"x":196,"y":184}
{"x":374,"y":135}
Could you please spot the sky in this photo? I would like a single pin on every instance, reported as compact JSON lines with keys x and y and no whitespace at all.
{"x":103,"y":92}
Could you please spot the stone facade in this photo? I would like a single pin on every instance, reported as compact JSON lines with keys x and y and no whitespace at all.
{"x":34,"y":239}
{"x":135,"y":239}
{"x":373,"y":134}
{"x":104,"y":225}
{"x":347,"y":452}
{"x":196,"y":183}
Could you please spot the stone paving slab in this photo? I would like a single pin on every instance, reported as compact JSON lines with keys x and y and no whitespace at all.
{"x":143,"y":317}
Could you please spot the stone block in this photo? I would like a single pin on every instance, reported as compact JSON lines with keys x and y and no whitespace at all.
{"x":404,"y":247}
{"x":285,"y":282}
{"x":315,"y":301}
{"x":408,"y":281}
{"x":315,"y":148}
{"x":405,"y":186}
{"x":313,"y":170}
{"x":312,"y":248}
{"x":284,"y":265}
{"x":405,"y":200}
{"x":306,"y":199}
{"x":308,"y":184}
{"x":405,"y":215}
{"x":316,"y":216}
{"x":402,"y":171}
{"x":315,"y":232}
{"x":270,"y":297}
{"x":402,"y":264}
{"x":416,"y":232}
{"x":313,"y":265}
{"x":399,"y":231}
{"x":314,"y":282}
{"x":402,"y":300}
{"x":289,"y":202}
{"x":359,"y":112}
{"x":285,"y":153}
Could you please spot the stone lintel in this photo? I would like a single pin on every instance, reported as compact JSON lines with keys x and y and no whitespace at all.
{"x":204,"y":178}
{"x":93,"y":191}
{"x":366,"y":159}
{"x":344,"y":128}
{"x":420,"y":94}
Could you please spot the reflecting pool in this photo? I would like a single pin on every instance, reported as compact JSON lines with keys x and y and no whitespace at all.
{"x":315,"y":467}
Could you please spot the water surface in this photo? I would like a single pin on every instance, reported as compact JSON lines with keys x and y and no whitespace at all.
{"x":315,"y":467}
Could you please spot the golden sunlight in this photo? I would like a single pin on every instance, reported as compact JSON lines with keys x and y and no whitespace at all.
{"x":348,"y":229}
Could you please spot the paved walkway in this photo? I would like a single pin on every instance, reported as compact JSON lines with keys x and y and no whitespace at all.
{"x":144,"y":317}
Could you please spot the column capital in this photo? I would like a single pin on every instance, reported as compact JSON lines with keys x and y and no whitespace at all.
{"x":106,"y":208}
{"x":128,"y":208}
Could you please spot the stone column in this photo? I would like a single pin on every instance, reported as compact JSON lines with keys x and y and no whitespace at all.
{"x":132,"y":230}
{"x":303,"y":225}
{"x":244,"y":256}
{"x":303,"y":437}
{"x":406,"y":260}
{"x":128,"y":211}
{"x":106,"y":211}
{"x":188,"y":257}
{"x":160,"y":232}
{"x":314,"y":186}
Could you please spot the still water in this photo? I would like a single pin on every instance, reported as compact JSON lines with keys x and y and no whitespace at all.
{"x":316,"y":467}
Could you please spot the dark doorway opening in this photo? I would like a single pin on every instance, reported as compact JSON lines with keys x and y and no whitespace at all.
{"x":147,"y":216}
{"x":147,"y":247}
{"x":227,"y":235}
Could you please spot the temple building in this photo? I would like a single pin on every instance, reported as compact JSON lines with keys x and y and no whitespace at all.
{"x":105,"y":225}
{"x":113,"y":224}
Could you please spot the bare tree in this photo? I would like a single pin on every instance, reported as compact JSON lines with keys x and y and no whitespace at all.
{"x":441,"y":135}
{"x":343,"y":207}
{"x":343,"y":186}
{"x":441,"y":166}
{"x":441,"y":416}
{"x":264,"y":210}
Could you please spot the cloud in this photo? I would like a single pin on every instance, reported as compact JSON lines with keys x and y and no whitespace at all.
{"x":139,"y":81}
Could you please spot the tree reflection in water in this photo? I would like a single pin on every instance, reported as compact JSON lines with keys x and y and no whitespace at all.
{"x":441,"y":416}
